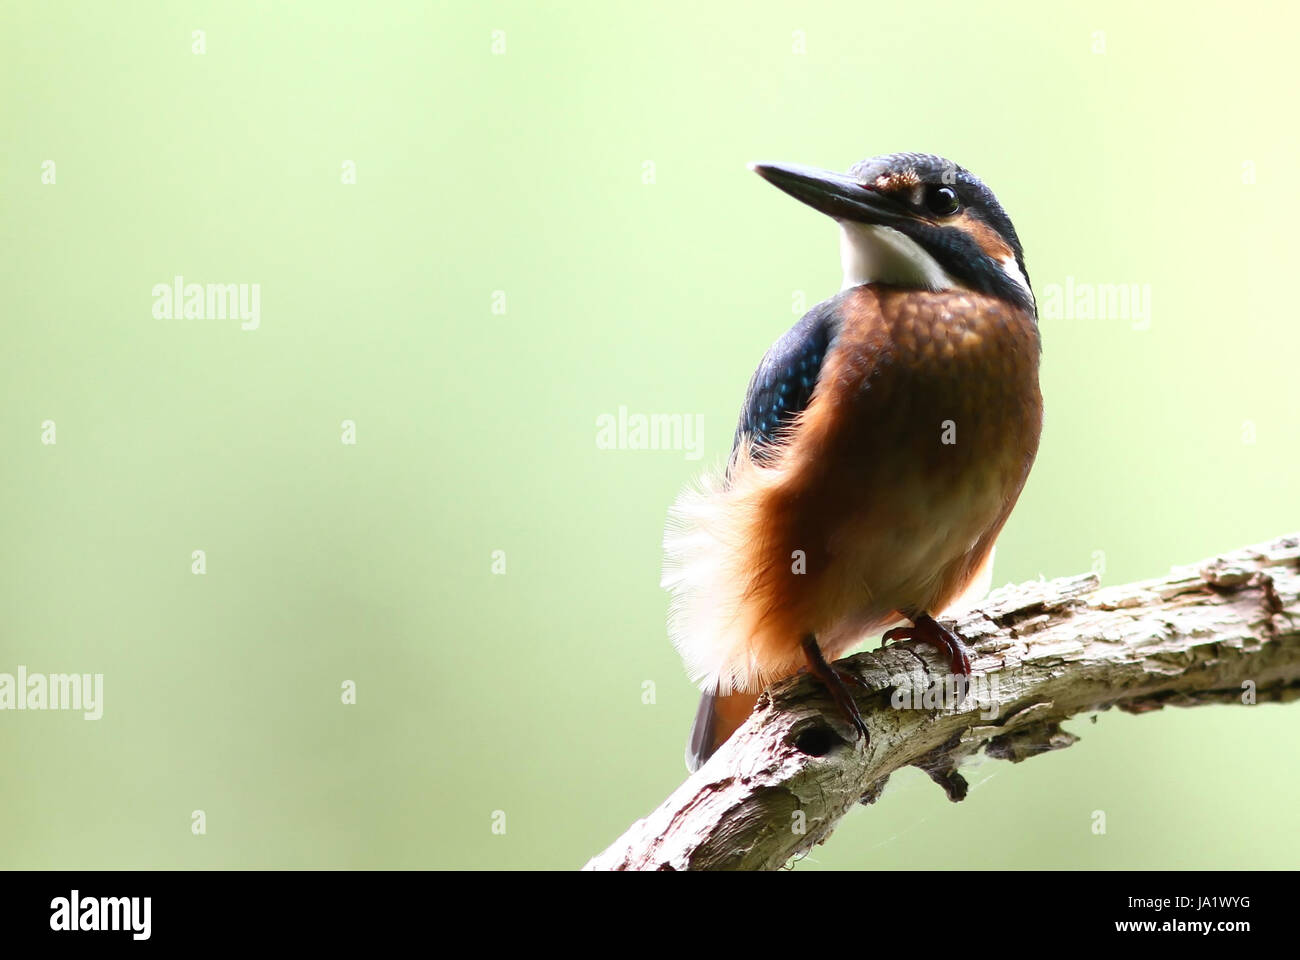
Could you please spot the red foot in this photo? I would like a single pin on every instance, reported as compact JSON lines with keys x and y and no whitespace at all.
{"x":929,"y":630}
{"x":834,"y":678}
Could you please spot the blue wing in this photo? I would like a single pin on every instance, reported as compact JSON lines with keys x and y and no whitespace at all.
{"x":785,"y":379}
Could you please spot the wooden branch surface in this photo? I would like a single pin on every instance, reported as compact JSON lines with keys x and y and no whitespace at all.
{"x":1221,"y":631}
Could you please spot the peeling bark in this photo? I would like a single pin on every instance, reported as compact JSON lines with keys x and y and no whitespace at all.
{"x":1221,"y":631}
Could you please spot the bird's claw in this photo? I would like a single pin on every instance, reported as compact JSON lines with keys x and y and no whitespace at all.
{"x":929,"y":630}
{"x":834,"y":678}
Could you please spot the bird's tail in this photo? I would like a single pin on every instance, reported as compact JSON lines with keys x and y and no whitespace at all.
{"x":718,"y":717}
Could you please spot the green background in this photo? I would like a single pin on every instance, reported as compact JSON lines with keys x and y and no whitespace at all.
{"x":523,"y":173}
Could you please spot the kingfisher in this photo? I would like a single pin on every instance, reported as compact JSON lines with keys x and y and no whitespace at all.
{"x":882,"y":444}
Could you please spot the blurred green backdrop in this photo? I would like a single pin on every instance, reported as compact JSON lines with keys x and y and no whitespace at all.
{"x":499,"y":275}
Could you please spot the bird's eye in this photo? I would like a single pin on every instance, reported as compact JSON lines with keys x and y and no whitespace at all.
{"x":942,"y":201}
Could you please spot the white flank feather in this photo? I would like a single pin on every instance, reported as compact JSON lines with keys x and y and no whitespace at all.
{"x":704,"y":569}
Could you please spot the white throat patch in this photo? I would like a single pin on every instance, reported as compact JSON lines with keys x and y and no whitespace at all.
{"x":1012,"y":270}
{"x":876,"y":254}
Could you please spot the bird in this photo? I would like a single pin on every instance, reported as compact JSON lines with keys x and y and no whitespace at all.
{"x":881,"y":446}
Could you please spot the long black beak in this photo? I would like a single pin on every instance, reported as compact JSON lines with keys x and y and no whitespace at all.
{"x":834,"y":194}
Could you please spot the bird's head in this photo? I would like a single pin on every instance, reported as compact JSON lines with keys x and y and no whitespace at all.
{"x":914,"y":220}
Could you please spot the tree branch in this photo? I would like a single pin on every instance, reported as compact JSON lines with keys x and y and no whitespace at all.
{"x":1222,"y":631}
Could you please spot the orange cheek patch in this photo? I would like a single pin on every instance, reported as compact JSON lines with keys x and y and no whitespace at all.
{"x":983,"y":234}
